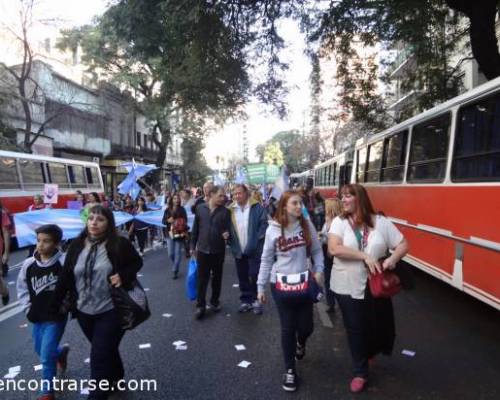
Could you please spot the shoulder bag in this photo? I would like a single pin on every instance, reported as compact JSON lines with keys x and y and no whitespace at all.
{"x":382,"y":284}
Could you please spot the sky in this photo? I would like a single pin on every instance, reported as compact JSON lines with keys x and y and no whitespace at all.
{"x":260,"y":125}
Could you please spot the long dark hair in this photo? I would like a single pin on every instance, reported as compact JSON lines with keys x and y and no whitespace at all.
{"x":110,"y":235}
{"x":144,"y":206}
{"x":98,"y":199}
{"x":281,"y":217}
{"x":364,"y":208}
{"x":171,"y":201}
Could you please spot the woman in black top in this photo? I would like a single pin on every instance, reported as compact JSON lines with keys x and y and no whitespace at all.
{"x":97,"y":258}
{"x":175,"y":220}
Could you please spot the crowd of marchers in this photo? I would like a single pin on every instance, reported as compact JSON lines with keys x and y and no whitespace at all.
{"x":291,"y":249}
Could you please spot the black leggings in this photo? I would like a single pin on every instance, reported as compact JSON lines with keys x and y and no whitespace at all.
{"x":142,"y":236}
{"x":104,"y":334}
{"x":296,"y":318}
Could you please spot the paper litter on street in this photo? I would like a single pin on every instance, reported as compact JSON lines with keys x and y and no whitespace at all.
{"x":17,"y":368}
{"x":408,"y":353}
{"x":86,"y":361}
{"x":244,"y":364}
{"x":236,"y":285}
{"x":38,"y":367}
{"x":179,"y":343}
{"x":240,"y":347}
{"x":181,"y":347}
{"x":23,"y":326}
{"x":145,"y":346}
{"x":12,"y":283}
{"x":167,"y":315}
{"x":140,"y":275}
{"x":85,"y":391}
{"x":146,"y":289}
{"x":11,"y":375}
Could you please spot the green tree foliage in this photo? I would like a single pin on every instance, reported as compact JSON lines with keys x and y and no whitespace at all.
{"x":425,"y":26}
{"x":298,"y":152}
{"x":195,"y":168}
{"x":273,"y":154}
{"x":176,"y":57}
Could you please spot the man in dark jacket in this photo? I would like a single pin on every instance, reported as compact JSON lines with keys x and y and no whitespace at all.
{"x":210,"y":232}
{"x":248,"y":231}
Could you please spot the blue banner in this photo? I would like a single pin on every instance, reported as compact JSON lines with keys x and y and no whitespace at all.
{"x":70,"y":222}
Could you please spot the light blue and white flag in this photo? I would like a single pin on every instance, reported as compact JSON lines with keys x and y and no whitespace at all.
{"x":70,"y":222}
{"x":241,"y":176}
{"x":135,"y":171}
{"x":26,"y":223}
{"x":280,"y":185}
{"x":219,"y":180}
{"x":151,"y":217}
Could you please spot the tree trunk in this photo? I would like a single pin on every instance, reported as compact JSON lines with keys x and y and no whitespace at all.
{"x":27,"y":115}
{"x":483,"y":38}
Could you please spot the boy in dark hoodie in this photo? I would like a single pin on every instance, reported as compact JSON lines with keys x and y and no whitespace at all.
{"x":35,"y":288}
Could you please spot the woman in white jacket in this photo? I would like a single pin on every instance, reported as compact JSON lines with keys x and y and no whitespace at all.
{"x":290,"y":240}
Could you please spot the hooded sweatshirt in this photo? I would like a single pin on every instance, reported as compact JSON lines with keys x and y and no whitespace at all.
{"x":288,"y":254}
{"x":36,"y":284}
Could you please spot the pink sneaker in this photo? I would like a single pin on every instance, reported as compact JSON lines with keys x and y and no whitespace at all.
{"x":358,"y":384}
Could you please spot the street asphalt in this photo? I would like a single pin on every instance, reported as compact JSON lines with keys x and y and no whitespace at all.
{"x":455,"y":340}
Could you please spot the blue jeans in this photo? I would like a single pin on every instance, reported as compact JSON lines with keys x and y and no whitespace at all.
{"x":175,"y":253}
{"x":248,"y":270}
{"x":46,"y":337}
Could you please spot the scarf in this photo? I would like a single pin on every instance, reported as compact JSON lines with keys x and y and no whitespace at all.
{"x":90,"y":263}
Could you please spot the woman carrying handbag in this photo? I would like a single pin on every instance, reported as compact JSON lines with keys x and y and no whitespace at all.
{"x":175,"y":220}
{"x":290,"y":241}
{"x":96,"y":259}
{"x":358,"y":240}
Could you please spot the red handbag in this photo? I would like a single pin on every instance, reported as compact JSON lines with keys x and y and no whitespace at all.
{"x":384,"y":284}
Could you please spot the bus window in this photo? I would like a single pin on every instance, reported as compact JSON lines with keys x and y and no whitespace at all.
{"x":9,"y":179}
{"x":429,"y":146}
{"x":335,"y":177}
{"x":360,"y":168}
{"x":57,"y":173}
{"x":32,"y":174}
{"x":394,"y":157}
{"x":93,"y":178}
{"x":77,"y":176}
{"x":374,"y":161}
{"x":476,"y":156}
{"x":328,"y":175}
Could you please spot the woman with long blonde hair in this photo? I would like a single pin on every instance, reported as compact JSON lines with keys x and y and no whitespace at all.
{"x":333,"y":208}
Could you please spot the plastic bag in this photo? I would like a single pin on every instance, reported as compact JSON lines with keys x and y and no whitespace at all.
{"x":191,"y":279}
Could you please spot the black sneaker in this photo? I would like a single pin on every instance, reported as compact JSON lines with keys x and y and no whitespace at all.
{"x":300,"y":351}
{"x":62,"y":361}
{"x":215,"y":308}
{"x":290,"y":381}
{"x":200,"y":313}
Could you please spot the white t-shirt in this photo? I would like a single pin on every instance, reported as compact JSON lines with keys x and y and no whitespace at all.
{"x":242,"y":215}
{"x":350,"y":276}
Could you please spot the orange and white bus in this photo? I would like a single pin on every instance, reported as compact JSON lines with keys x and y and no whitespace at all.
{"x":437,"y":176}
{"x":23,"y":175}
